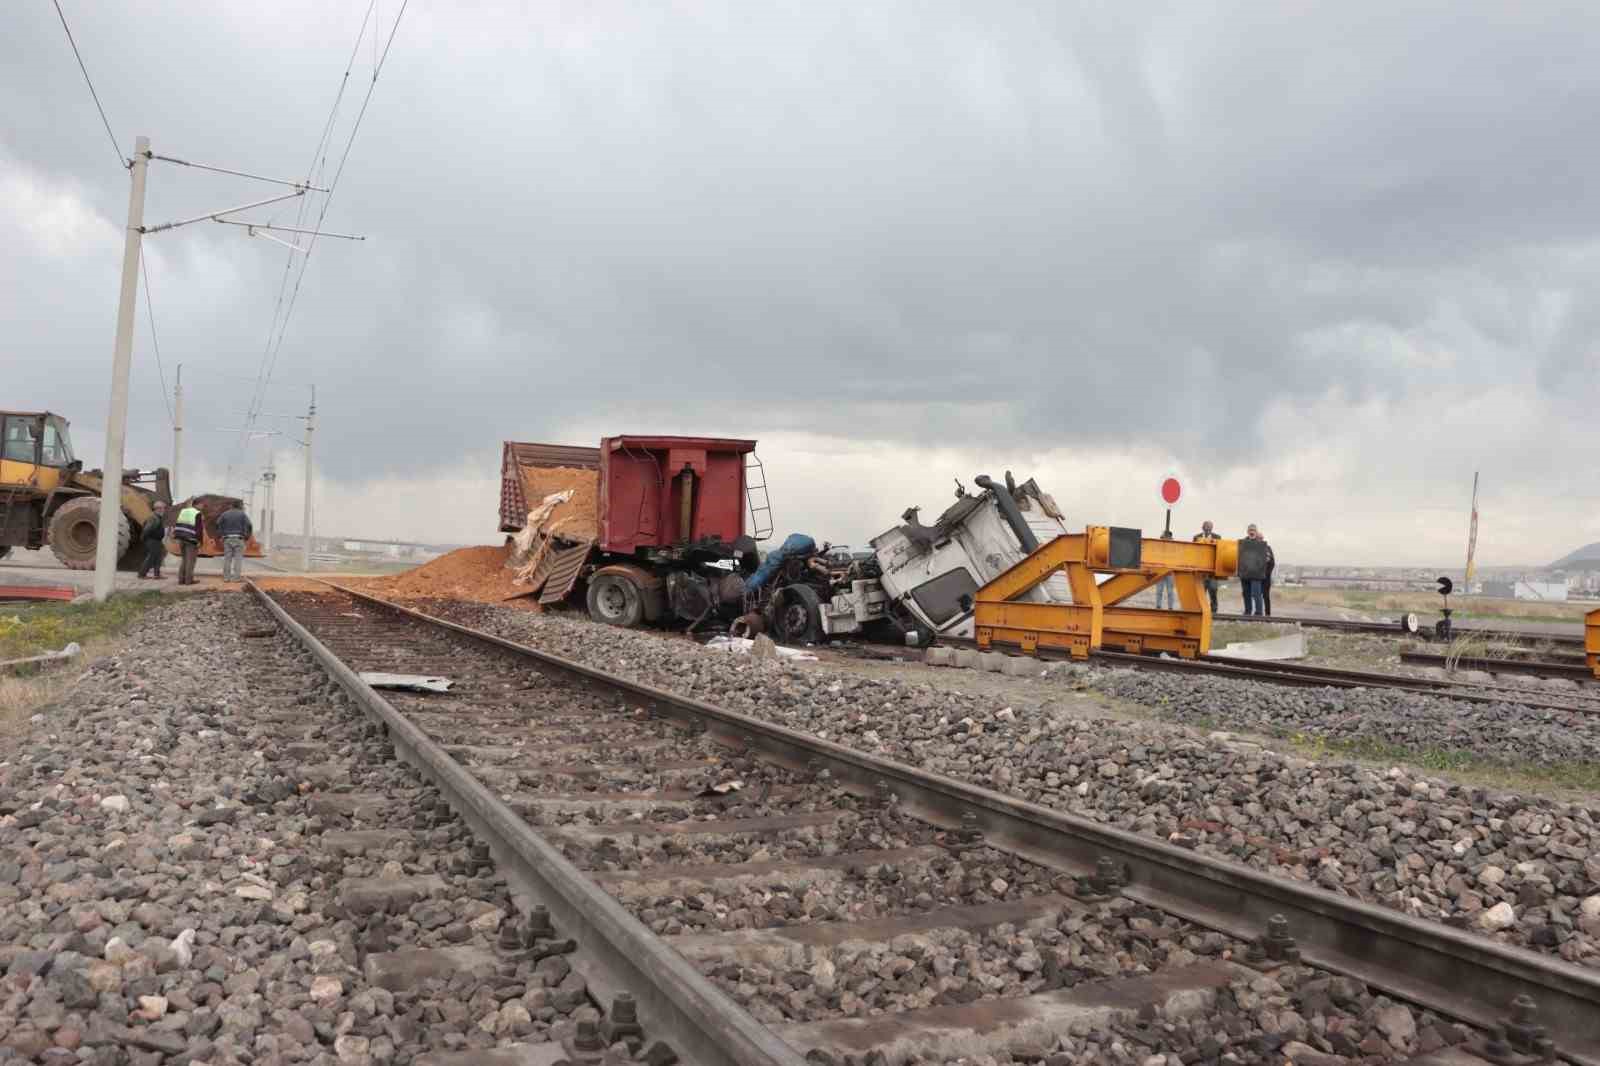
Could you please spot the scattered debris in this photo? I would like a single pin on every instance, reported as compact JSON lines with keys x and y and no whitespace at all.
{"x":48,"y":657}
{"x":408,"y":682}
{"x":745,"y":646}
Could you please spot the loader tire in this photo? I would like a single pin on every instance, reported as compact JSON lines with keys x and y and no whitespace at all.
{"x":5,"y":550}
{"x":797,"y":615}
{"x":75,"y":532}
{"x":615,"y":601}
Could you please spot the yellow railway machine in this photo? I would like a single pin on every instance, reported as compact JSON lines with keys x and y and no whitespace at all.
{"x":1094,"y":619}
{"x":1591,"y":640}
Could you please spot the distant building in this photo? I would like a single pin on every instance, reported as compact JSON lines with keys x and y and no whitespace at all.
{"x":1547,"y":591}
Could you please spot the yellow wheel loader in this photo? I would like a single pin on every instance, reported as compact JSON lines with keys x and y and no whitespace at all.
{"x":46,"y":497}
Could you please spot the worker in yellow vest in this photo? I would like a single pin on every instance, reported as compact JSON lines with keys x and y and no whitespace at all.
{"x":188,"y":530}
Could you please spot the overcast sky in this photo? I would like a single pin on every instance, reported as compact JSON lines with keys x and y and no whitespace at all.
{"x":1323,"y":261}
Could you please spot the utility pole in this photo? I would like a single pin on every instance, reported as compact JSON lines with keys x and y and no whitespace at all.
{"x":177,"y":431}
{"x":311,"y":425}
{"x":110,"y":520}
{"x":106,"y":547}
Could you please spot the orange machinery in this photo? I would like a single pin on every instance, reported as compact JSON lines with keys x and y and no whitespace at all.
{"x":1095,"y":619}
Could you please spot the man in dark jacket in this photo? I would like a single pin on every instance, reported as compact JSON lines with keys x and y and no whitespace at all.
{"x":1255,"y":574}
{"x":235,"y":529}
{"x":153,"y":534}
{"x":187,"y":530}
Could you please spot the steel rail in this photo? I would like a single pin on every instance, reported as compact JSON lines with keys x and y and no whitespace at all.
{"x":1305,"y":675}
{"x":1570,"y":669}
{"x":1458,"y":974}
{"x":1394,"y":629}
{"x":676,"y":1002}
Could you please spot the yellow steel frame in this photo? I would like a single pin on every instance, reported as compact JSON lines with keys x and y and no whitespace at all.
{"x":1094,"y":619}
{"x":1591,"y":640}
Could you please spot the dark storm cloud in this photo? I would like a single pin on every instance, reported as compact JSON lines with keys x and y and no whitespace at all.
{"x":917,"y":222}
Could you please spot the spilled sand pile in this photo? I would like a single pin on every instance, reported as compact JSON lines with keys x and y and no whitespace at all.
{"x":475,"y":575}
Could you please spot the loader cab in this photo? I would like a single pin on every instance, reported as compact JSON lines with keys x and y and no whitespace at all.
{"x":35,"y":450}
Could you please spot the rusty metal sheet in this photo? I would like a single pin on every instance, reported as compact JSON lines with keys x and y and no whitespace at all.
{"x":561,"y":571}
{"x":527,"y":454}
{"x":37,"y":592}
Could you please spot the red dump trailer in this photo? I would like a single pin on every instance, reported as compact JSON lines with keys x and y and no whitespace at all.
{"x":658,"y":528}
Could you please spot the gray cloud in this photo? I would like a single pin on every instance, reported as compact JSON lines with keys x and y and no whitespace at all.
{"x":1020,"y":226}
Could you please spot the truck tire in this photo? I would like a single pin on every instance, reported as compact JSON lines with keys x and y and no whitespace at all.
{"x":75,"y":532}
{"x":615,"y":601}
{"x":797,"y":615}
{"x":5,"y":550}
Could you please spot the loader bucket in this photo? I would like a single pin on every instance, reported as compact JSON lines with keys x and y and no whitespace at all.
{"x":211,"y":508}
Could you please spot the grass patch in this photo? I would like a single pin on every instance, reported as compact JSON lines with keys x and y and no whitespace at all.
{"x":1493,"y":773}
{"x":1469,"y":609}
{"x":1237,"y":632}
{"x":34,"y":629}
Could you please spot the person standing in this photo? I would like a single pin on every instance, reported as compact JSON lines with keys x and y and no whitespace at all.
{"x":1208,"y":536}
{"x":1266,"y":582}
{"x":188,"y":530}
{"x":234,"y":527}
{"x":1166,"y":589}
{"x":153,"y":534}
{"x":1252,"y":569}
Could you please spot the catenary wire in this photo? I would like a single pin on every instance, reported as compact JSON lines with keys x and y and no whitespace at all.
{"x":268,"y":360}
{"x":121,"y":162}
{"x":155,"y":342}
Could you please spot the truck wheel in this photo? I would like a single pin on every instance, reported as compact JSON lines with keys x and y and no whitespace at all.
{"x":5,"y":550}
{"x":75,"y":531}
{"x":615,"y":600}
{"x":797,"y":616}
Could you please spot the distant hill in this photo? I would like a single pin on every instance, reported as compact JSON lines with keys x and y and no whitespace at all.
{"x":1587,"y":556}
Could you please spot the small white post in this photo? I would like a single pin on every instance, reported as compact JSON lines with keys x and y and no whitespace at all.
{"x":268,"y":512}
{"x":305,"y":548}
{"x":105,"y":556}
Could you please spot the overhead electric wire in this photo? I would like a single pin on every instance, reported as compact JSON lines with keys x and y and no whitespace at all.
{"x":144,"y":270}
{"x":155,"y":342}
{"x":262,"y":378}
{"x":121,"y":162}
{"x":281,"y":324}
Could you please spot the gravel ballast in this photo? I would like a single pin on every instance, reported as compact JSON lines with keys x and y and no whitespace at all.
{"x":1523,"y":869}
{"x":167,"y":895}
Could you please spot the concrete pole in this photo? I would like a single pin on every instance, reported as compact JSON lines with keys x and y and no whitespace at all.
{"x":105,"y":556}
{"x":177,"y":432}
{"x":311,"y":420}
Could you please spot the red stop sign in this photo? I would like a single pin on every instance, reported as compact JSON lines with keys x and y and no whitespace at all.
{"x":1171,"y":490}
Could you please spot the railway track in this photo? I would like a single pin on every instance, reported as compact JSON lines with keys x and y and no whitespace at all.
{"x":599,"y":799}
{"x":1394,"y":629}
{"x":1307,"y":675}
{"x":1573,"y":669}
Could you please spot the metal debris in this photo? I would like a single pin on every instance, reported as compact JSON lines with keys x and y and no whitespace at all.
{"x":408,"y":682}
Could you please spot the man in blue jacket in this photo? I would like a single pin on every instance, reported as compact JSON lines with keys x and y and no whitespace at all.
{"x":235,"y":529}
